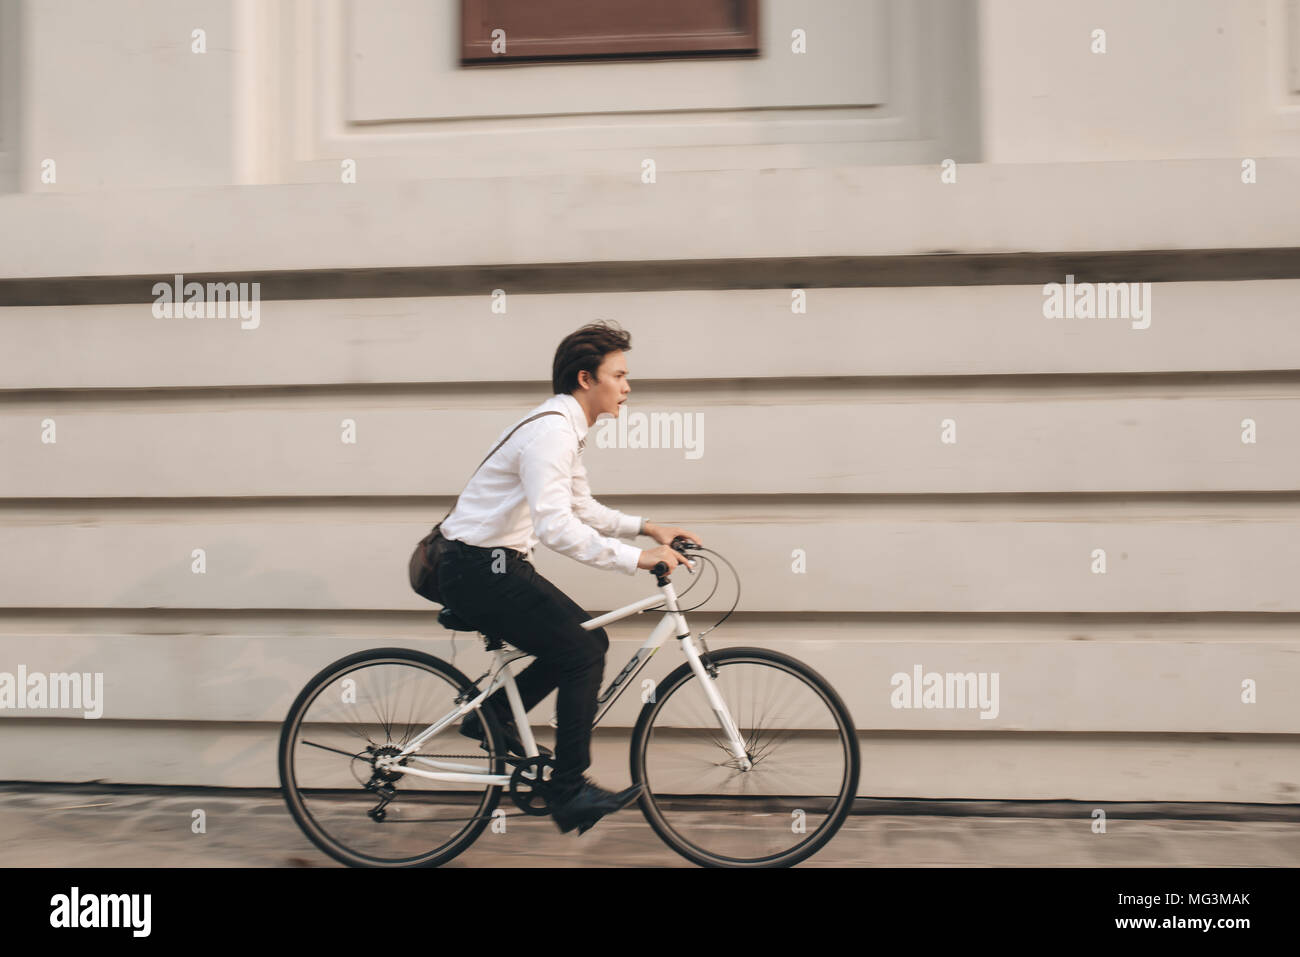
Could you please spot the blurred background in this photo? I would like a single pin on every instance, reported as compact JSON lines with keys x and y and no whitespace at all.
{"x":828,"y":227}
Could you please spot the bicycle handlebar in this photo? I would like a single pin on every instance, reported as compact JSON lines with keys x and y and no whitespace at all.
{"x":678,"y":544}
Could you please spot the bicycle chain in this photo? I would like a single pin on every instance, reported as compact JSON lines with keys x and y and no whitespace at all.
{"x":476,"y":817}
{"x":423,"y":755}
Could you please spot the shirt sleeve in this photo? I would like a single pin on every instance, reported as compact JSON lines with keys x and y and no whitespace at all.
{"x":546,"y":469}
{"x":606,"y":520}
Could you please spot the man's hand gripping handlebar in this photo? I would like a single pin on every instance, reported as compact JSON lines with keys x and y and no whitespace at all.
{"x":662,"y":561}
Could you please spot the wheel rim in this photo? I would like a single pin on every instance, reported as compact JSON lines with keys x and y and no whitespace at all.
{"x":382,"y":704}
{"x":787,"y":805}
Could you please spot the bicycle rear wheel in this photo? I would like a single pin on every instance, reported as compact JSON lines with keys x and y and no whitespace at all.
{"x":370,"y":704}
{"x":798,"y":735}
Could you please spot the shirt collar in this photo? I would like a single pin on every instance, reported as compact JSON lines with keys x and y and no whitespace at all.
{"x":571,"y":408}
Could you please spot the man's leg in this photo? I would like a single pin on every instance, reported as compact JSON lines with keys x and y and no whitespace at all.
{"x":521,"y":607}
{"x":535,"y":682}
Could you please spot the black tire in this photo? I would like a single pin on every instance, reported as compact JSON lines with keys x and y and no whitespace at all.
{"x":303,"y":816}
{"x":843,"y":802}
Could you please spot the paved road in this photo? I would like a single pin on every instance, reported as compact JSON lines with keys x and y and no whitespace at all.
{"x":102,"y":826}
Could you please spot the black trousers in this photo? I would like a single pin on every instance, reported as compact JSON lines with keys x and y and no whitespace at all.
{"x":520,"y":607}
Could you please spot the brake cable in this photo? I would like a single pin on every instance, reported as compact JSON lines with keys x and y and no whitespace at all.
{"x":735,"y":575}
{"x":717,"y":581}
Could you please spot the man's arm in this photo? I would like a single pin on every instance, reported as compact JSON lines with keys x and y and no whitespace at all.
{"x":546,"y":470}
{"x":610,"y":521}
{"x":606,"y":520}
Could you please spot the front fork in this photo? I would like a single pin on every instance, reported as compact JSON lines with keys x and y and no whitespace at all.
{"x":707,"y":675}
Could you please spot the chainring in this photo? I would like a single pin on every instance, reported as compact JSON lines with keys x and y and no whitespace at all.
{"x":530,"y":785}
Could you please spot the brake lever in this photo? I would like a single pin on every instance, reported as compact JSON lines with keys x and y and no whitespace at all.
{"x":680,"y":545}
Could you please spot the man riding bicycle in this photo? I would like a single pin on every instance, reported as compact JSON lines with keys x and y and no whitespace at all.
{"x":534,"y":488}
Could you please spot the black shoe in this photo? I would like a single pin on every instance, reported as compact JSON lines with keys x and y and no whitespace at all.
{"x":583,"y":807}
{"x":472,"y":727}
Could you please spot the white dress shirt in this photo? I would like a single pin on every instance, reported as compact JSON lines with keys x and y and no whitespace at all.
{"x":534,"y":489}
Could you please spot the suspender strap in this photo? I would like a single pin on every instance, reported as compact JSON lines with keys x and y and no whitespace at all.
{"x":494,"y":451}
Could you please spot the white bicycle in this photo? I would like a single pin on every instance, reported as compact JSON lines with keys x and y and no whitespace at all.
{"x":748,"y":756}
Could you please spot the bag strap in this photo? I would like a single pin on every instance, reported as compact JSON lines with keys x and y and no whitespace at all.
{"x":494,"y":451}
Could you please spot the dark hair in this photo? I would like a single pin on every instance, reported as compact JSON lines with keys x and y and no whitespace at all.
{"x":586,"y":349}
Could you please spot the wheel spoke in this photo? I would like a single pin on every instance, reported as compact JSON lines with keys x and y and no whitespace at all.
{"x":326,"y":747}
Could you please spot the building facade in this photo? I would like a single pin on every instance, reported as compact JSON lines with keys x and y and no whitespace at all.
{"x":987,"y":310}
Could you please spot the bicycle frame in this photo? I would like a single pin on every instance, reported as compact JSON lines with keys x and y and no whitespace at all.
{"x":672,"y":623}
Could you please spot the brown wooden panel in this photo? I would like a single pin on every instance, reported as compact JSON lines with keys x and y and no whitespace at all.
{"x":587,"y":29}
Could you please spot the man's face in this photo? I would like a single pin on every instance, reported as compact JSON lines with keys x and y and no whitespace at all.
{"x":611,"y":388}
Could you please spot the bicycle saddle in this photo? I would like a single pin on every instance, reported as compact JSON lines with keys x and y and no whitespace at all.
{"x":449,"y":619}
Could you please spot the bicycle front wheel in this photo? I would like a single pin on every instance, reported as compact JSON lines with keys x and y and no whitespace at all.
{"x":367,"y":706}
{"x":798,"y":736}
